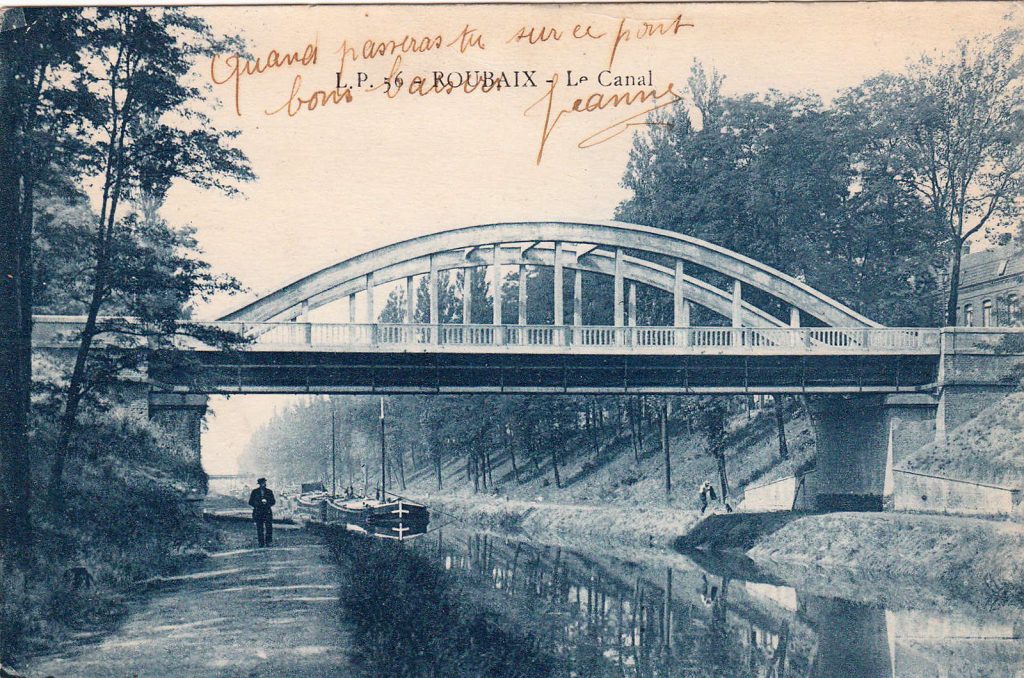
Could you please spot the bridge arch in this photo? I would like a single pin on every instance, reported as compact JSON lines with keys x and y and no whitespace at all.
{"x":595,"y":247}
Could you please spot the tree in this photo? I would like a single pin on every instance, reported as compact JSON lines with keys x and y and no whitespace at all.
{"x":34,"y":124}
{"x":143,"y":132}
{"x":768,"y":175}
{"x":780,"y":426}
{"x":14,"y":414}
{"x":958,"y":123}
{"x":711,"y":418}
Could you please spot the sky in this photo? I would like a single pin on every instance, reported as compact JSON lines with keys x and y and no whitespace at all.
{"x":352,"y":176}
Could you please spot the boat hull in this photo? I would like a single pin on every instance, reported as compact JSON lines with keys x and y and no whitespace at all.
{"x":371,"y":513}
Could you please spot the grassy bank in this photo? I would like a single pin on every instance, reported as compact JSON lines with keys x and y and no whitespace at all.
{"x":978,"y":559}
{"x":123,"y":517}
{"x":985,"y":449}
{"x":426,"y":624}
{"x":637,"y":526}
{"x":614,"y":473}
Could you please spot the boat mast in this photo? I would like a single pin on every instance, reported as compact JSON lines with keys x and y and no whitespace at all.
{"x":334,"y":465}
{"x":382,"y":468}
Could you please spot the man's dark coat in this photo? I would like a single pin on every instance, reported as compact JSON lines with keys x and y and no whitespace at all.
{"x":259,"y":509}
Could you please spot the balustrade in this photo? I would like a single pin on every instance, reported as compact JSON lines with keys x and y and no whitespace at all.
{"x":586,"y":338}
{"x":646,"y":339}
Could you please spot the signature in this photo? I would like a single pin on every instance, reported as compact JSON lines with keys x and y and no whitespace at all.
{"x":598,"y":102}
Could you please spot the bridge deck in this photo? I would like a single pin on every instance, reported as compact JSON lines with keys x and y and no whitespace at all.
{"x":379,"y":372}
{"x":292,"y":357}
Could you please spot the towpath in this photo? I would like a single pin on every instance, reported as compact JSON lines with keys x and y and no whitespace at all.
{"x":242,"y":612}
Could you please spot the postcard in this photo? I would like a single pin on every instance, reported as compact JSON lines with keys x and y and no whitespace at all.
{"x":576,"y":339}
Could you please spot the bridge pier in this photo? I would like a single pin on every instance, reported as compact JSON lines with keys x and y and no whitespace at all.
{"x":859,"y":438}
{"x":180,"y":415}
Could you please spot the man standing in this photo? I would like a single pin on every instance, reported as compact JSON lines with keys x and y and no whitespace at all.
{"x":707,"y":493}
{"x":261,"y":500}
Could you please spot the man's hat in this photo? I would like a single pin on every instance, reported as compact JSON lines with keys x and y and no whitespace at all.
{"x":261,"y":480}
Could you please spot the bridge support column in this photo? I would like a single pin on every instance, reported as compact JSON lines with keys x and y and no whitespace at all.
{"x":180,"y":415}
{"x":910,"y":424}
{"x":559,"y":287}
{"x":410,"y":301}
{"x":849,"y":434}
{"x":497,"y":284}
{"x":737,"y":303}
{"x":467,"y":296}
{"x":434,"y":304}
{"x":680,"y":305}
{"x":371,"y":312}
{"x":522,"y":294}
{"x":619,"y":301}
{"x":577,"y":298}
{"x":632,"y":313}
{"x":859,"y":438}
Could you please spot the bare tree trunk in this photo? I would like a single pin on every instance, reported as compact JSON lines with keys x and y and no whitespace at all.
{"x":665,"y":448}
{"x":437,"y":469}
{"x":112,"y":185}
{"x":554,"y":465}
{"x":722,"y":474}
{"x":780,"y":424}
{"x":511,"y":448}
{"x":634,"y":429}
{"x":954,"y":283}
{"x":15,"y":327}
{"x":475,"y":471}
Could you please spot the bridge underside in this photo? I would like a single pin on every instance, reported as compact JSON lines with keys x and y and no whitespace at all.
{"x":395,"y":373}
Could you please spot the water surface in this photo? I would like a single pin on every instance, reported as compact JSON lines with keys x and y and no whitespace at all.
{"x":594,"y":613}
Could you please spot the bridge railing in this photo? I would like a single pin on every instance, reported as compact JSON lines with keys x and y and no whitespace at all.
{"x":788,"y":340}
{"x":586,"y":338}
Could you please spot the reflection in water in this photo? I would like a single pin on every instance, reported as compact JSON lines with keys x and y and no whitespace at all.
{"x":597,"y":615}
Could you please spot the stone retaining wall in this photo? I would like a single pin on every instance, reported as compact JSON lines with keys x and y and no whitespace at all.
{"x":934,"y":494}
{"x":783,"y":494}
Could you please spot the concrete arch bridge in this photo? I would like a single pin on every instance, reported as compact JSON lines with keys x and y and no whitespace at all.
{"x":517,"y":356}
{"x":817,"y":346}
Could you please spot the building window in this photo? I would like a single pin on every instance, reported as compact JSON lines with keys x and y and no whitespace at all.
{"x":1013,"y":310}
{"x":986,"y":313}
{"x":968,"y":315}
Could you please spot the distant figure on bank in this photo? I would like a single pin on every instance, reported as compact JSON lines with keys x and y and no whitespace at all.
{"x":261,"y":500}
{"x":707,"y":493}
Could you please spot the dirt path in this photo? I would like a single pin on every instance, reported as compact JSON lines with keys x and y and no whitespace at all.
{"x":243,"y":612}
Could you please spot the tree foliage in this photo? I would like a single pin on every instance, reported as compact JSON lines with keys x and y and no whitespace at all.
{"x":772,"y":175}
{"x":131,"y":122}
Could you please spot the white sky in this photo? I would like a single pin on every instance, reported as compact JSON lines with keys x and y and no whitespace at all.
{"x":343,"y":179}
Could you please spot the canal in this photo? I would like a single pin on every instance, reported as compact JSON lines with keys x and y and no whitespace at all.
{"x":458,"y":602}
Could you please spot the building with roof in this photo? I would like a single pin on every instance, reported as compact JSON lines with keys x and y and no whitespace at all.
{"x":991,"y":288}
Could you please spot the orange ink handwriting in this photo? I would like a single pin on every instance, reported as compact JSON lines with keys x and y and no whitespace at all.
{"x":238,"y":68}
{"x":596,"y":102}
{"x":297,"y":103}
{"x":646,"y":29}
